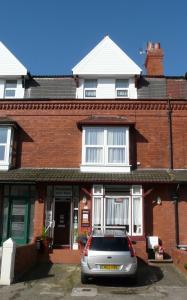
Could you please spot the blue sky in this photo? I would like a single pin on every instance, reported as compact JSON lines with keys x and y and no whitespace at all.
{"x":51,"y":36}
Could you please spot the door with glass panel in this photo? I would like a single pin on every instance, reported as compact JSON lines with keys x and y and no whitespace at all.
{"x":18,"y":220}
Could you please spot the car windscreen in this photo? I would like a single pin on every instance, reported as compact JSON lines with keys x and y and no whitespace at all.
{"x":109,"y":244}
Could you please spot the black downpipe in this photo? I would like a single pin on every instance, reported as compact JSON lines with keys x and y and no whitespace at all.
{"x":170,"y":140}
{"x":170,"y":165}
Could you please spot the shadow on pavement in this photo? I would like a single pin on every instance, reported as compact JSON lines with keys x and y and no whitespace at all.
{"x":40,"y":271}
{"x":146,"y":275}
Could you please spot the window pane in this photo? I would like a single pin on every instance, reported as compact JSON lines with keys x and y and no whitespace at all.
{"x":117,"y":211}
{"x":94,"y":136}
{"x":18,"y":219}
{"x":90,"y":93}
{"x":97,"y":211}
{"x":116,"y":155}
{"x":2,"y":152}
{"x":90,"y":84}
{"x":122,"y":83}
{"x":122,"y":93}
{"x":20,"y":190}
{"x":11,"y":84}
{"x":3,"y":135}
{"x":137,"y":215}
{"x":109,"y":243}
{"x":10,"y":93}
{"x":116,"y":136}
{"x":94,"y":155}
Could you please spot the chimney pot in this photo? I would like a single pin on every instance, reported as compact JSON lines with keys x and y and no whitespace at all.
{"x":154,"y":59}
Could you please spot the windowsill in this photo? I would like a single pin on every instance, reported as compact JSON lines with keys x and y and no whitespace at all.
{"x":4,"y":167}
{"x":105,"y":169}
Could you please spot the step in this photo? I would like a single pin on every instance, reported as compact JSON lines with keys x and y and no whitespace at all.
{"x":65,"y":256}
{"x":157,"y":261}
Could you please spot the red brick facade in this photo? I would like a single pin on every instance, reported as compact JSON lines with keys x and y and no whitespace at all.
{"x":49,"y":138}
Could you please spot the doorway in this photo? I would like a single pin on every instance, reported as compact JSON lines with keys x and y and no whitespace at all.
{"x":62,"y":223}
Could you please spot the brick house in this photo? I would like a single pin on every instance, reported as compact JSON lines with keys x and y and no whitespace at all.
{"x":105,"y":147}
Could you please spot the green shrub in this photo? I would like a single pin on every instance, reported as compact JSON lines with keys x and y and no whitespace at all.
{"x":185,"y":266}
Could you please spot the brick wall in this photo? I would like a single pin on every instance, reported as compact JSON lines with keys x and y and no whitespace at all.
{"x":180,"y":259}
{"x":52,"y":136}
{"x":160,"y":219}
{"x":25,"y":259}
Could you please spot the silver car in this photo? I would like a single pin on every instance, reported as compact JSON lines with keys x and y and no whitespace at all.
{"x":108,"y":253}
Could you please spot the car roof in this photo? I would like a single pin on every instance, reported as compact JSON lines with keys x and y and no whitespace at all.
{"x":109,"y":232}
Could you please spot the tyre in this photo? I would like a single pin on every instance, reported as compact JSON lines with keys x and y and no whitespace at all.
{"x":84,"y":278}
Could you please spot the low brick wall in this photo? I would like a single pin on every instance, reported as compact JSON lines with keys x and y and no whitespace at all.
{"x":26,"y":257}
{"x":180,"y":259}
{"x":140,"y":249}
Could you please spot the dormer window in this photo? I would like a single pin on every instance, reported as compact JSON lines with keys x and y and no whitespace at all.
{"x":10,"y":89}
{"x":122,"y":88}
{"x":90,"y":87}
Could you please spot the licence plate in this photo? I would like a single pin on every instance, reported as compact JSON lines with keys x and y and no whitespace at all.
{"x":109,"y":267}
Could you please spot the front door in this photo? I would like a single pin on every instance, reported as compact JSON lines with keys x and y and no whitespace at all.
{"x":62,"y":223}
{"x":18,"y":220}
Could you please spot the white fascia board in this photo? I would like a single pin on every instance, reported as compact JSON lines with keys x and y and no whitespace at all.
{"x":9,"y":64}
{"x":106,"y":59}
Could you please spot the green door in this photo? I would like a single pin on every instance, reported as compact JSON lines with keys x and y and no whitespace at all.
{"x":18,"y":219}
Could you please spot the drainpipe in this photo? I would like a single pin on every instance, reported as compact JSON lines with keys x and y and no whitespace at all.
{"x":170,"y":165}
{"x":170,"y":142}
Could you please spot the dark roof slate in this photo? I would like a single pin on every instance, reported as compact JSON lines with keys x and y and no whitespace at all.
{"x":152,"y":88}
{"x":74,"y":175}
{"x":54,"y":88}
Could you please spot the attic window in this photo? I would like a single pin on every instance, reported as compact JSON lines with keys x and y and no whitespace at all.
{"x":90,"y":86}
{"x":10,"y":89}
{"x":122,"y":88}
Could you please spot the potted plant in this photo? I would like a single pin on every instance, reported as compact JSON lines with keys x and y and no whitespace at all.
{"x":82,"y":239}
{"x":159,"y":252}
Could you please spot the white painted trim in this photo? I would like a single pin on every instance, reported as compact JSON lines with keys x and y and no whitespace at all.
{"x":105,"y":169}
{"x":105,"y":166}
{"x":141,"y":215}
{"x":5,"y":164}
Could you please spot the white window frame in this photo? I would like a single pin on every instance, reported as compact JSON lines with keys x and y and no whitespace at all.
{"x":4,"y":164}
{"x":106,"y":166}
{"x":7,"y":88}
{"x":140,"y":233}
{"x":131,"y":211}
{"x":90,"y":89}
{"x":122,"y":89}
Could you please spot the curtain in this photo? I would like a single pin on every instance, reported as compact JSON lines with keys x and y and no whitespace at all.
{"x":94,"y":136}
{"x":97,"y":211}
{"x":117,"y":213}
{"x":116,"y":136}
{"x":137,"y":211}
{"x":116,"y":155}
{"x":3,"y":135}
{"x":94,"y":155}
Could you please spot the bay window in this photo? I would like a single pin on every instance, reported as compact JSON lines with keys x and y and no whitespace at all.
{"x":118,"y":207}
{"x":107,"y":147}
{"x":5,"y":147}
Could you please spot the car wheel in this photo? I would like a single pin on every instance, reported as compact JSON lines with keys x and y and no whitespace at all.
{"x":84,"y":278}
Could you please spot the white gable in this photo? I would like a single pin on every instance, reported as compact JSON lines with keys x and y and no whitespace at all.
{"x":9,"y":64}
{"x":106,"y":59}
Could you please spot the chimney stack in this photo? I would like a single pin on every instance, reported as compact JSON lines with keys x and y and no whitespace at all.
{"x":154,"y":59}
